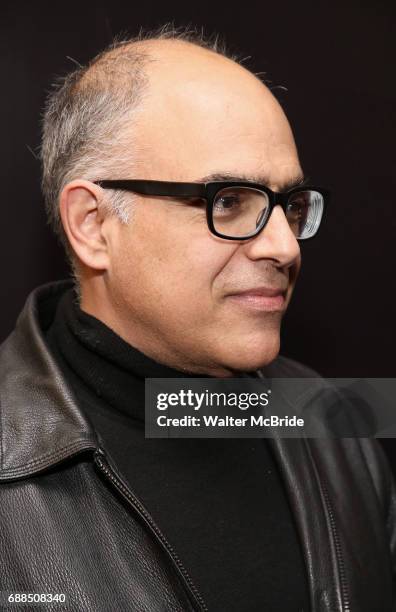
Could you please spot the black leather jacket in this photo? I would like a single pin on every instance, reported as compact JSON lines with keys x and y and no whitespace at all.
{"x":69,"y":524}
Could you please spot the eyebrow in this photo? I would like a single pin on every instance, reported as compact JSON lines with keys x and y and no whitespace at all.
{"x":296,"y":181}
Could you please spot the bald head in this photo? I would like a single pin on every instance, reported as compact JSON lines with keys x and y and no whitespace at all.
{"x":186,"y":93}
{"x":203,"y":109}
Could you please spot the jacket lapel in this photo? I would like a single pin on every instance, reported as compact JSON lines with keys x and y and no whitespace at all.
{"x":41,"y":422}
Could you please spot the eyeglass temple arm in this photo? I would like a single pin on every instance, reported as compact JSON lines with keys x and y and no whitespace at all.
{"x":157,"y":188}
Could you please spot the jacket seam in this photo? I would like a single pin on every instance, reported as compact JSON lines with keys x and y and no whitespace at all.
{"x":336,"y":578}
{"x":60,"y":453}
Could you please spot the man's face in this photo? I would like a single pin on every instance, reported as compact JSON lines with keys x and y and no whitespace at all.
{"x":173,"y":286}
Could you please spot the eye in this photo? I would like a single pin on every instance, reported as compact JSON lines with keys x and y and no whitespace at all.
{"x":297,"y":209}
{"x":226,"y":203}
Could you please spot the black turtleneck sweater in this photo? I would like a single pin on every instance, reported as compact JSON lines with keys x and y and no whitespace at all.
{"x":220,"y":502}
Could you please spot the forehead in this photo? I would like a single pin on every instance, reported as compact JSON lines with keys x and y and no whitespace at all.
{"x":205,"y":113}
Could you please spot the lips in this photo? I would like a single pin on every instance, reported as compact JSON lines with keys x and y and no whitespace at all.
{"x":267,"y":299}
{"x":262,"y":291}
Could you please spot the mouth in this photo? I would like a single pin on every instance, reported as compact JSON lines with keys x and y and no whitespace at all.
{"x":267,"y":299}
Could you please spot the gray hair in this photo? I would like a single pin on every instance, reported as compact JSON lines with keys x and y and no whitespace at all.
{"x":86,"y":119}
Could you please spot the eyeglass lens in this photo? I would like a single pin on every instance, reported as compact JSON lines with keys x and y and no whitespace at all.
{"x":240,"y":211}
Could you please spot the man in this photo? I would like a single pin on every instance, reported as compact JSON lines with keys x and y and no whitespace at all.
{"x":188,"y":276}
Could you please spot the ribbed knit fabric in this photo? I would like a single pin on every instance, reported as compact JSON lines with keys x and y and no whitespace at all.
{"x":220,"y":502}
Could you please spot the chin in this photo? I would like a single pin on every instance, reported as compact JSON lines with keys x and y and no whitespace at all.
{"x":253,"y":355}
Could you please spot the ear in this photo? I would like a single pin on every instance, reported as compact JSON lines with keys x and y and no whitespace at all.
{"x":82,"y":221}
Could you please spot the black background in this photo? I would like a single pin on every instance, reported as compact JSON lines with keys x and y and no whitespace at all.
{"x":336,"y":61}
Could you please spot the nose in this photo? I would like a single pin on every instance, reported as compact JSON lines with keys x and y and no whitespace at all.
{"x":276,"y":241}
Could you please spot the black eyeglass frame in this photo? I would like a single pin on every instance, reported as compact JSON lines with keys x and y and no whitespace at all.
{"x":208,"y":192}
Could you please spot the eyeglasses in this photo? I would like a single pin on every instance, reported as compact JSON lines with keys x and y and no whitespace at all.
{"x":240,"y":210}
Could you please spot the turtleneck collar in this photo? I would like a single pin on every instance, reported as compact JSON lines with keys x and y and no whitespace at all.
{"x":97,"y":359}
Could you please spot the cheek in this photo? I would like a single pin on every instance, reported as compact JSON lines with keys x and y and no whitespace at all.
{"x":189,"y":269}
{"x":169,"y":269}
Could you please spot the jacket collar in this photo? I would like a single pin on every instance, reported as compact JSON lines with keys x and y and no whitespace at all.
{"x":41,"y":422}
